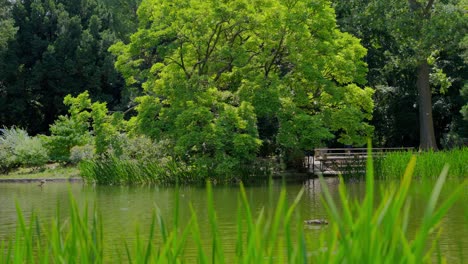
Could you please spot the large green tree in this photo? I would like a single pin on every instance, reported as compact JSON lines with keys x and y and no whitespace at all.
{"x":410,"y":43}
{"x":220,"y":75}
{"x":60,"y":48}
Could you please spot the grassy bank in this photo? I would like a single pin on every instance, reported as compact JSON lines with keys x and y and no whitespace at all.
{"x":48,"y":172}
{"x":359,"y":232}
{"x":428,"y":164}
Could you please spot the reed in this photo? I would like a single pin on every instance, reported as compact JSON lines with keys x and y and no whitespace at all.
{"x":114,"y":171}
{"x":77,"y":240}
{"x":368,"y":233}
{"x":428,"y":164}
{"x":359,"y":232}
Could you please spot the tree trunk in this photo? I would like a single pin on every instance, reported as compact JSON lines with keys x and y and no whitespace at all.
{"x":426,"y":125}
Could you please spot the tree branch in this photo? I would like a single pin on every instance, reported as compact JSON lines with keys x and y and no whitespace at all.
{"x":429,"y":5}
{"x":209,"y":47}
{"x":182,"y":64}
{"x":275,"y":56}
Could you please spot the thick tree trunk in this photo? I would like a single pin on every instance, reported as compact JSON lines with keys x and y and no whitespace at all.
{"x":426,"y":125}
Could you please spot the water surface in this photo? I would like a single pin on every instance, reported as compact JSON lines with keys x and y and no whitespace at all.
{"x":124,"y":209}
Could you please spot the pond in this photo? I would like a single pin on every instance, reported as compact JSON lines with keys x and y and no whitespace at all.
{"x":124,"y":209}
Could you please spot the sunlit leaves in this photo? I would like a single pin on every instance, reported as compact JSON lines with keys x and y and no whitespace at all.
{"x":210,"y":69}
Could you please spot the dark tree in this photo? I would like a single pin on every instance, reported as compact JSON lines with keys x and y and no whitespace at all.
{"x":412,"y":53}
{"x":60,"y":48}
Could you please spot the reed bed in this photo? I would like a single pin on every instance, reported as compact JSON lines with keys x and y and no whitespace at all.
{"x":428,"y":165}
{"x":114,"y":171}
{"x":359,"y":232}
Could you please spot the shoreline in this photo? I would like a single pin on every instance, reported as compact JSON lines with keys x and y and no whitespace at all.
{"x":29,"y":180}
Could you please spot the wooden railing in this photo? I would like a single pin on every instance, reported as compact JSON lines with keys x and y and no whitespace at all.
{"x":341,"y":160}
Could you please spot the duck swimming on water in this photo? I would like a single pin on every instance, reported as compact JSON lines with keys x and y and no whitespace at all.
{"x":42,"y":183}
{"x":316,"y":222}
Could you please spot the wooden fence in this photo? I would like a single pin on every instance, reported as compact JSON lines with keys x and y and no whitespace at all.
{"x":334,"y":161}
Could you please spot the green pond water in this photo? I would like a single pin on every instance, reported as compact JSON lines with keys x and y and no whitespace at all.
{"x":124,"y":209}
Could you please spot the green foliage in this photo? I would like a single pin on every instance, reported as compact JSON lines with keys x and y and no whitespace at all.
{"x":220,"y":144}
{"x":74,"y":130}
{"x":211,"y":70}
{"x":9,"y":139}
{"x":7,"y":159}
{"x":344,"y":110}
{"x":400,"y":35}
{"x":65,"y":134}
{"x":144,"y":161}
{"x":80,"y":153}
{"x":464,"y":89}
{"x":116,"y":171}
{"x":365,"y":232}
{"x":124,"y":14}
{"x":78,"y":240}
{"x":427,"y":165}
{"x":31,"y":153}
{"x":452,"y":140}
{"x":18,"y":148}
{"x":464,"y":94}
{"x":60,"y":47}
{"x":143,"y":149}
{"x":104,"y":130}
{"x":7,"y":28}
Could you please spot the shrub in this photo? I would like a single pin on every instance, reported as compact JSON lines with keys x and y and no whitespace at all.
{"x":65,"y":134}
{"x":86,"y":122}
{"x":18,"y":148}
{"x":139,"y":148}
{"x":452,"y":140}
{"x":80,"y":153}
{"x":30,"y":152}
{"x":7,"y":160}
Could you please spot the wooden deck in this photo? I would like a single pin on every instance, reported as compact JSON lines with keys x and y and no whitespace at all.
{"x":335,"y":161}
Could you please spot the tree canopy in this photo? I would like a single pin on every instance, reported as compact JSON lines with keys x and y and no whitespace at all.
{"x":60,"y":47}
{"x":413,"y":60}
{"x":223,"y":78}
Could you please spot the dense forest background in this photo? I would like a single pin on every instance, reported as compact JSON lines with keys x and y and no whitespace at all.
{"x":416,"y":59}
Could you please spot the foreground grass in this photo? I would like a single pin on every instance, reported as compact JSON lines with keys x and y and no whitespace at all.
{"x":428,"y":165}
{"x":359,"y":232}
{"x":48,"y":172}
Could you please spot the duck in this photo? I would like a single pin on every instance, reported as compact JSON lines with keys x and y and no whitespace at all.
{"x":43,"y":181}
{"x":316,"y":222}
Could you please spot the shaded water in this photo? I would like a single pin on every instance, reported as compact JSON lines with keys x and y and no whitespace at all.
{"x":124,"y":209}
